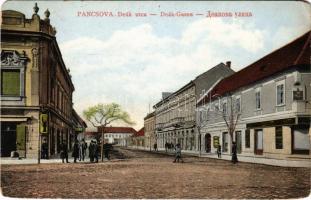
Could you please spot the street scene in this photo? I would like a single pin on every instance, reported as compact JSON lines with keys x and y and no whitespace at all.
{"x":142,"y":175}
{"x":155,"y":100}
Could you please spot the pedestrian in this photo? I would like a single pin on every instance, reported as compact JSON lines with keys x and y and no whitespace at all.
{"x":82,"y":150}
{"x":91,"y":151}
{"x":96,"y":151}
{"x":106,"y":150}
{"x":178,"y":153}
{"x":155,"y":146}
{"x":219,"y":151}
{"x":45,"y":150}
{"x":64,"y":152}
{"x":75,"y":151}
{"x":234,"y":153}
{"x":172,"y":146}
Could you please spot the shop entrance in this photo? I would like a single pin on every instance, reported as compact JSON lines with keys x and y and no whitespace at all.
{"x":8,"y":139}
{"x":208,"y":143}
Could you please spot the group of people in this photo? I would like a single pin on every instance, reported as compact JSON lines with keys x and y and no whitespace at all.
{"x":169,"y":146}
{"x":178,"y":157}
{"x":94,"y":151}
{"x":78,"y":151}
{"x":80,"y":148}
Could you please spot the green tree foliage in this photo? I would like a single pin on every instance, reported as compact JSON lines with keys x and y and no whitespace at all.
{"x":101,"y":115}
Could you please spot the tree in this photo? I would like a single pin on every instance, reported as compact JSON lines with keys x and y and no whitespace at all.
{"x":202,"y":121}
{"x":101,"y":115}
{"x":231,"y":117}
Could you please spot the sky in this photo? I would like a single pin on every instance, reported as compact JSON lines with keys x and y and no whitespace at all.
{"x":132,"y":60}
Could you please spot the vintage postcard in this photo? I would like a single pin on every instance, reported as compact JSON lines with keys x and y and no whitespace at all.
{"x":155,"y":99}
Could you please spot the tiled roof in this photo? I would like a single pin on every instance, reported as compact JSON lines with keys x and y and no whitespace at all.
{"x":117,"y":130}
{"x":141,"y":132}
{"x":293,"y":54}
{"x":90,"y":133}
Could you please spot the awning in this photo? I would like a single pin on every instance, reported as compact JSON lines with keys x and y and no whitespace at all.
{"x":13,"y":119}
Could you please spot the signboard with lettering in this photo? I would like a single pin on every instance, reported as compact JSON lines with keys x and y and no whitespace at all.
{"x":43,"y":123}
{"x":298,"y":95}
{"x":215,"y":141}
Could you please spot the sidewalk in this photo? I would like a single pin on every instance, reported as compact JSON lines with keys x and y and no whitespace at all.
{"x":242,"y":158}
{"x":16,"y":161}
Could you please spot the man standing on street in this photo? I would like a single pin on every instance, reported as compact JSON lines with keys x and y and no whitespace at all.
{"x":178,"y":153}
{"x":219,"y":151}
{"x":75,"y":152}
{"x":82,"y":150}
{"x":64,"y":152}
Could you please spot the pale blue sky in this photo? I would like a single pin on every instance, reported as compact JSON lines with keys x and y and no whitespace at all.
{"x":132,"y":60}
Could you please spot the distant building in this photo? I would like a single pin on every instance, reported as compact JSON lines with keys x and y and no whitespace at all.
{"x":175,"y":115}
{"x":272,"y":99}
{"x":36,"y":87}
{"x":149,"y":124}
{"x":138,"y":139}
{"x":117,"y":135}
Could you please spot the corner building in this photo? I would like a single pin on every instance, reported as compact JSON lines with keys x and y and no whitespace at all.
{"x":36,"y":87}
{"x":272,"y":97}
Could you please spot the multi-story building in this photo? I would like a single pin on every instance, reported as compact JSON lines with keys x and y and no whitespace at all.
{"x":175,"y":114}
{"x":36,"y":87}
{"x":149,"y":124}
{"x":269,"y":104}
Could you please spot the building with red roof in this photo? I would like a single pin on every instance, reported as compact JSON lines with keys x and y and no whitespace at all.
{"x":117,"y":135}
{"x":265,"y":107}
{"x":138,"y":139}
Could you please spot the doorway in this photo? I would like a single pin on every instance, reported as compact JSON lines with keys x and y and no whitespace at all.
{"x":258,"y":142}
{"x":8,"y":139}
{"x":208,"y":143}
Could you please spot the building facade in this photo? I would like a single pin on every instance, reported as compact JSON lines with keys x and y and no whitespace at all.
{"x":176,"y":113}
{"x":36,"y":87}
{"x":117,"y":135}
{"x":138,"y":139}
{"x":269,"y":104}
{"x":149,"y":124}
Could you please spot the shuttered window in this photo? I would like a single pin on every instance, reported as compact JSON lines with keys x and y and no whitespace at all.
{"x":247,"y":138}
{"x":278,"y":137}
{"x":10,"y":82}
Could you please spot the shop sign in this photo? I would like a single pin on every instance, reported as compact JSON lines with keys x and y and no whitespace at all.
{"x":215,"y":141}
{"x":44,"y":123}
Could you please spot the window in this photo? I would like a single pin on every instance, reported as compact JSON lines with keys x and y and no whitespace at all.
{"x":278,"y":137}
{"x":238,"y":140}
{"x":216,"y":106}
{"x":238,"y":104}
{"x":280,"y":98}
{"x":12,"y":74}
{"x":225,"y":142}
{"x":258,"y":103}
{"x":10,"y":82}
{"x":247,"y":138}
{"x":224,"y":107}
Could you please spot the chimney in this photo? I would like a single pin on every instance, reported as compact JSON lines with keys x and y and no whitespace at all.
{"x":228,"y":64}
